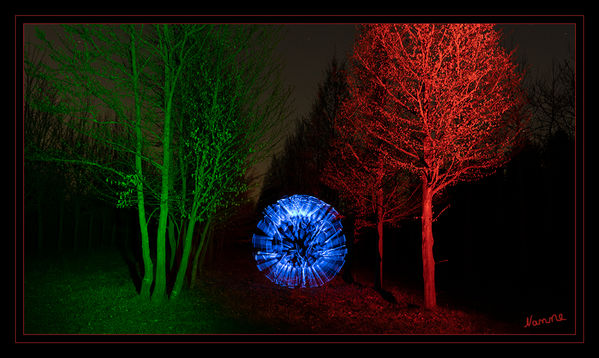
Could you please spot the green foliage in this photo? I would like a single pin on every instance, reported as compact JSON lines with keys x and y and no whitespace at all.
{"x":125,"y":188}
{"x":220,"y":124}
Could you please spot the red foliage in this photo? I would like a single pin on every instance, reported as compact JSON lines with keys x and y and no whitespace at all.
{"x":442,"y":102}
{"x":453,"y":98}
{"x":373,"y":190}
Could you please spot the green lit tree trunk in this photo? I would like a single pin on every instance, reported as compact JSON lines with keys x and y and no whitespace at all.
{"x":181,"y":232}
{"x":205,"y":247}
{"x":187,"y":241}
{"x":172,"y":242}
{"x":203,"y":239}
{"x":148,"y":276}
{"x":160,"y":286}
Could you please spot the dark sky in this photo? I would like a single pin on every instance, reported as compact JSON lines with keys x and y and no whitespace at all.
{"x":307,"y":50}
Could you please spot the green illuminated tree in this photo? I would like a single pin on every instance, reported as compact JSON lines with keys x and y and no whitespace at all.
{"x":111,"y":66}
{"x":228,"y":106}
{"x":178,"y":148}
{"x":101,"y":67}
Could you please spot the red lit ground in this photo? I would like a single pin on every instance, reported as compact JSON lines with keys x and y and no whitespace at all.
{"x":336,"y":308}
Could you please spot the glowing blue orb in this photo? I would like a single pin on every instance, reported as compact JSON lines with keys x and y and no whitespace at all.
{"x":300,"y":242}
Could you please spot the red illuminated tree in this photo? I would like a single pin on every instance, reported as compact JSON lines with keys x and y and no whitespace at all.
{"x":452,"y":108}
{"x":375,"y":193}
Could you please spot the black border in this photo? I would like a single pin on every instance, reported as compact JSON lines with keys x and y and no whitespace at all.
{"x":271,"y":16}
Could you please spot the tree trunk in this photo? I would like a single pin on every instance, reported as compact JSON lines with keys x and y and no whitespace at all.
{"x":40,"y":224}
{"x":194,"y":267}
{"x":104,"y":227}
{"x":148,"y":276}
{"x":349,"y":257}
{"x":160,"y":286}
{"x":113,"y":234}
{"x":428,"y":261}
{"x":60,"y":225}
{"x":378,"y":284}
{"x":172,"y":242}
{"x":187,"y":241}
{"x":91,"y":230}
{"x":126,"y":237}
{"x":76,"y":224}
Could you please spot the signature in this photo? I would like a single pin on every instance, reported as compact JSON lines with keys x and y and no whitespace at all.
{"x":530,"y":322}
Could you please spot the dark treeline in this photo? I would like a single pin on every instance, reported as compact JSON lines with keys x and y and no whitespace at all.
{"x":505,"y":244}
{"x":297,"y":169}
{"x":63,"y":207}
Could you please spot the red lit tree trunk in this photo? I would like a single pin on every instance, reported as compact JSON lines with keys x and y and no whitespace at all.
{"x":368,"y":187}
{"x":428,"y":261}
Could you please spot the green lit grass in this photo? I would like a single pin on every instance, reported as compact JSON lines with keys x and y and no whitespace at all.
{"x":94,"y":294}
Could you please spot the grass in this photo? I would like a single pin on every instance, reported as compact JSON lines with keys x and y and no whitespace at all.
{"x":93,"y":293}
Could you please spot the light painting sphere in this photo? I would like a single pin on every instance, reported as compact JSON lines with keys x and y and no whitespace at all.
{"x":300,"y":242}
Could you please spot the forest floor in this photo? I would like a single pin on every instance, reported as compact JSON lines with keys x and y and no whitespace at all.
{"x":93,"y":293}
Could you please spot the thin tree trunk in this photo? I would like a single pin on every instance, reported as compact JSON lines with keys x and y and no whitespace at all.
{"x":160,"y":286}
{"x":205,"y":246}
{"x":379,"y":226}
{"x":104,"y":227}
{"x":428,"y":261}
{"x":40,"y":224}
{"x":148,"y":277}
{"x":113,"y":234}
{"x":126,"y":238}
{"x":349,"y":258}
{"x":187,"y":241}
{"x":76,"y":225}
{"x":194,"y":268}
{"x":91,"y":231}
{"x":60,"y":225}
{"x":172,"y":242}
{"x":169,"y":86}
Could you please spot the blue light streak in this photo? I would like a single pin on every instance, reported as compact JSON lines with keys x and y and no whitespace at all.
{"x":300,"y":242}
